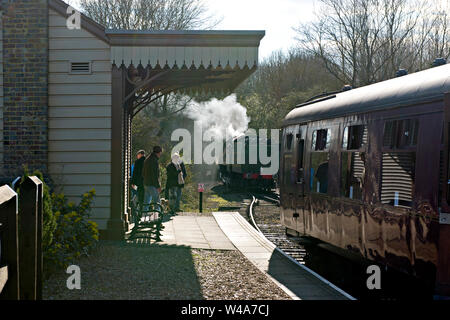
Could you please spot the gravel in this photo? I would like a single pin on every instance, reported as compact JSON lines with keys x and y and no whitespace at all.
{"x":117,"y":270}
{"x":228,"y":275}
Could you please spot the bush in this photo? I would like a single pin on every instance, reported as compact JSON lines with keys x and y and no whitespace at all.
{"x":67,"y":232}
{"x":75,"y":234}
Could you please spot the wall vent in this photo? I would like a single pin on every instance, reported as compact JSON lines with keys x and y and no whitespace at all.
{"x":80,"y":67}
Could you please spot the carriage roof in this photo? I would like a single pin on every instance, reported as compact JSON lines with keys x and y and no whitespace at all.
{"x":420,"y":87}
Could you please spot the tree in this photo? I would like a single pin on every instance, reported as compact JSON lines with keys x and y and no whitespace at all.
{"x":154,"y":124}
{"x":281,"y":82}
{"x":365,"y":41}
{"x":149,"y":14}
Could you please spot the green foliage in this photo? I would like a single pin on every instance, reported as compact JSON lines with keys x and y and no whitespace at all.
{"x":75,"y":234}
{"x":280,"y":83}
{"x":67,"y":232}
{"x":155,"y":123}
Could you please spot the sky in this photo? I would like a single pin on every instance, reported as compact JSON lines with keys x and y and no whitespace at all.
{"x":276,"y":17}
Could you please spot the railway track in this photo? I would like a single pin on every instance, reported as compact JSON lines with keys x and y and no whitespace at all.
{"x":275,"y":233}
{"x":271,"y":228}
{"x":343,"y":271}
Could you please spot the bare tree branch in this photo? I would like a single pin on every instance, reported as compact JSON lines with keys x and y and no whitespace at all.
{"x":366,"y":41}
{"x":150,"y":14}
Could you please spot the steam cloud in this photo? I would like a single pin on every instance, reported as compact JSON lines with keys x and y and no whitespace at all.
{"x":222,"y":118}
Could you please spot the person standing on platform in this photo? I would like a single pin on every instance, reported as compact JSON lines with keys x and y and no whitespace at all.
{"x":137,"y":181}
{"x":176,"y":175}
{"x":150,"y":175}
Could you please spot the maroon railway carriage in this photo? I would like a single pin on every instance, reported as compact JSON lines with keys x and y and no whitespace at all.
{"x":366,"y":170}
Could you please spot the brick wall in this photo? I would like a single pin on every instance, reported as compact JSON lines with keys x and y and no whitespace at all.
{"x":25,"y":84}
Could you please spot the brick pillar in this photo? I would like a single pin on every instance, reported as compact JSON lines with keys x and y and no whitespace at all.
{"x":25,"y":84}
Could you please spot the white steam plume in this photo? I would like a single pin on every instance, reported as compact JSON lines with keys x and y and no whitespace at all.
{"x":222,"y":118}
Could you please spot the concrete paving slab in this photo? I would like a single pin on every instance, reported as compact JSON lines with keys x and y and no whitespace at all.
{"x":195,"y":232}
{"x":295,"y":280}
{"x":258,"y":255}
{"x":222,"y":247}
{"x":253,"y":249}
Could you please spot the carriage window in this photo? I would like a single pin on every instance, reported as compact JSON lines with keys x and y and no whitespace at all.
{"x":408,"y":131}
{"x":401,"y":133}
{"x":289,"y":138}
{"x":398,"y":174}
{"x":321,"y":139}
{"x":301,"y":146}
{"x":389,"y":134}
{"x":235,"y":154}
{"x":287,"y":172}
{"x":319,"y":172}
{"x":441,"y":167}
{"x":441,"y":176}
{"x":352,"y":174}
{"x":447,"y":179}
{"x":354,"y":137}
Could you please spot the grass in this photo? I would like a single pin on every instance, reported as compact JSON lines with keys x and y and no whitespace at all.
{"x":212,"y":200}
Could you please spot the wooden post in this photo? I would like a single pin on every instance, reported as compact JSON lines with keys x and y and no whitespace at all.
{"x":28,"y":237}
{"x":200,"y":189}
{"x":39,"y":251}
{"x":116,"y":225}
{"x":9,"y":255}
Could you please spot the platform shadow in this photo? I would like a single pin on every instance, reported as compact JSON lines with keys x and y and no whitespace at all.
{"x":123,"y":271}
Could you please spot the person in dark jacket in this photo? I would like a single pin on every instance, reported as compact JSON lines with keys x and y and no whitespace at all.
{"x":150,"y":174}
{"x":176,"y":175}
{"x":137,"y":181}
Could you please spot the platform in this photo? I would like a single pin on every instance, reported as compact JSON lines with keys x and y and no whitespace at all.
{"x":191,"y":230}
{"x":297,"y":281}
{"x":230,"y":231}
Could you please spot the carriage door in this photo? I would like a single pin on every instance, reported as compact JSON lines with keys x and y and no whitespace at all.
{"x":443,"y":273}
{"x":446,"y":181}
{"x":300,"y":179}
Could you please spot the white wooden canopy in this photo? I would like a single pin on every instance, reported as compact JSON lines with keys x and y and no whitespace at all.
{"x":190,"y":48}
{"x":185,"y":55}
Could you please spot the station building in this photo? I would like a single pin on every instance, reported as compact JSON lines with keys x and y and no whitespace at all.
{"x":68,"y":96}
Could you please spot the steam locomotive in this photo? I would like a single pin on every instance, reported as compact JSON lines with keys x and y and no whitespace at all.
{"x":245,"y":170}
{"x":367,"y":171}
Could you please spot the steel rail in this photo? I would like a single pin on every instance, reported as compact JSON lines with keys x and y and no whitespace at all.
{"x":325,"y":281}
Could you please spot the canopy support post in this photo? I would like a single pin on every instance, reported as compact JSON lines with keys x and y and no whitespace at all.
{"x":116,"y":225}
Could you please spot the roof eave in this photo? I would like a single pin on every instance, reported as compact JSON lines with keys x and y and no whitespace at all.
{"x":86,"y":23}
{"x":185,"y":38}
